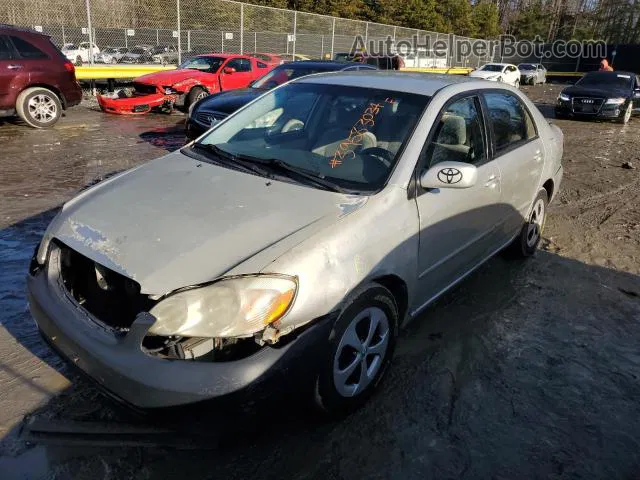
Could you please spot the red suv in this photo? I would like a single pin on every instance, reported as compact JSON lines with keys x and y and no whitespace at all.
{"x":36,"y":80}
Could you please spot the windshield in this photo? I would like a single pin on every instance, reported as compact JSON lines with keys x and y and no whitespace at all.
{"x":492,"y":68}
{"x":342,"y":57}
{"x":348,"y":136}
{"x":527,"y":66}
{"x":606,"y":79}
{"x":110,"y":50}
{"x":138,"y":50}
{"x":69,"y":46}
{"x":204,"y":64}
{"x":160,"y":49}
{"x":283,"y":74}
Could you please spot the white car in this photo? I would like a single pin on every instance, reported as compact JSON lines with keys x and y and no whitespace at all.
{"x":79,"y":53}
{"x":498,"y":72}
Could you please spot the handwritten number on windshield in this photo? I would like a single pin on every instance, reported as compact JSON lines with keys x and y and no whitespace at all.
{"x":346,"y":149}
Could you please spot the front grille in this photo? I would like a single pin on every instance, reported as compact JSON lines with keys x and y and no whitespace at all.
{"x":589,"y":105}
{"x":144,"y":89}
{"x":111,"y":298}
{"x":209,"y":118}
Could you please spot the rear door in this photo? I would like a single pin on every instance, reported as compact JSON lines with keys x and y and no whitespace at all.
{"x":9,"y":68}
{"x":244,"y":73}
{"x":519,"y":153}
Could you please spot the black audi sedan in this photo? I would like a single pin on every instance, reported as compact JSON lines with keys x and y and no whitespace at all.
{"x":210,"y":110}
{"x":602,"y":95}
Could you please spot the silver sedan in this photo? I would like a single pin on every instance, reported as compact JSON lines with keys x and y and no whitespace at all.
{"x":532,"y":73}
{"x":295,"y":238}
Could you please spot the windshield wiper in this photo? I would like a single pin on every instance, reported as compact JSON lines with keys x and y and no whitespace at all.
{"x":284,"y":167}
{"x":229,"y":158}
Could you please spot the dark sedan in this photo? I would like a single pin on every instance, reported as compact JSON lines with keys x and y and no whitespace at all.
{"x":212,"y":109}
{"x":602,"y":95}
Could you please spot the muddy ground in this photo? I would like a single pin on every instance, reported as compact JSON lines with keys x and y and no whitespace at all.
{"x":527,"y":370}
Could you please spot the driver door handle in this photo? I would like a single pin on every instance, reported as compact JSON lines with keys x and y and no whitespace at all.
{"x":492,"y":181}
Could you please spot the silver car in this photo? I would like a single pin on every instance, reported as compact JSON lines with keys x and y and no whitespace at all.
{"x":532,"y":73}
{"x":295,"y":238}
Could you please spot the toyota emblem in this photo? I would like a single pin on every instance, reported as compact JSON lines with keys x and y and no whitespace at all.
{"x":450,"y":175}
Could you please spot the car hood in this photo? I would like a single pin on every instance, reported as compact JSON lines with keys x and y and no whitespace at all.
{"x":176,"y":221}
{"x":483,"y":74}
{"x":168,"y":77}
{"x":229,"y":101}
{"x":593,"y":91}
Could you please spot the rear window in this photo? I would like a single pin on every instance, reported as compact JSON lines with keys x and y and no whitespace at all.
{"x":6,"y":52}
{"x":27,"y":49}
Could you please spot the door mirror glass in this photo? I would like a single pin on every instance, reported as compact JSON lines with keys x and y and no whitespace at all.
{"x":449,"y":175}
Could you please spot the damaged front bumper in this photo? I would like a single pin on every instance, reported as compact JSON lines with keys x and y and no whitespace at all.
{"x":136,"y":104}
{"x":120,"y":366}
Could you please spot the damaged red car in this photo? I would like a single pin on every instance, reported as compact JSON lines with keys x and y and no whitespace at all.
{"x":192,"y":80}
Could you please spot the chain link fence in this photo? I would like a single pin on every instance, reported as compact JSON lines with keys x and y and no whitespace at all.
{"x":169,"y":31}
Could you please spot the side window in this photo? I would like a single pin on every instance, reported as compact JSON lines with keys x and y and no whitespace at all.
{"x":510,"y":121}
{"x":458,"y":135}
{"x":240,"y":64}
{"x":26,"y":49}
{"x":262,"y":65}
{"x":6,"y":52}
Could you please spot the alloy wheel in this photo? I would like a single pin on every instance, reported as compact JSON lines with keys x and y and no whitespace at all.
{"x":536,"y":223}
{"x":42,"y":108}
{"x":361,"y":352}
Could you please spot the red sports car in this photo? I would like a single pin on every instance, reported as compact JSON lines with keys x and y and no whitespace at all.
{"x":194,"y":79}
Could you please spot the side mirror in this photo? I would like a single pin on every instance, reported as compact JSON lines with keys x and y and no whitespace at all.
{"x":229,"y":70}
{"x":449,"y":175}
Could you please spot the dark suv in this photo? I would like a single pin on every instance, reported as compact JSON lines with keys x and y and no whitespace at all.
{"x":36,"y":80}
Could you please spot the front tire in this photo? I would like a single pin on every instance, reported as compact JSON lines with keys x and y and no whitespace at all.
{"x":195,"y":94}
{"x":627,"y":115}
{"x":38,"y":107}
{"x":526,"y":243}
{"x":361,"y":346}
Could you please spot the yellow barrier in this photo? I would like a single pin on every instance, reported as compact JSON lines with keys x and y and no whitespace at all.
{"x":104,"y":72}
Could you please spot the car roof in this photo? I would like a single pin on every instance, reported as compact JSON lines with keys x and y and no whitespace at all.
{"x":501,"y":64}
{"x":224,"y":55}
{"x":408,"y":82}
{"x":14,"y":28}
{"x":321,"y":63}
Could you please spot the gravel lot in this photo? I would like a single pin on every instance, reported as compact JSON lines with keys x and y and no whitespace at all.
{"x":527,"y":370}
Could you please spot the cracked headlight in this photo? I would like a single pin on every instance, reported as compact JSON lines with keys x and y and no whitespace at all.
{"x":232,"y":307}
{"x":615,"y":101}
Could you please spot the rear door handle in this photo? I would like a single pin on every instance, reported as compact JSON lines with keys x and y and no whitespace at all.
{"x":538,"y":156}
{"x":14,"y":67}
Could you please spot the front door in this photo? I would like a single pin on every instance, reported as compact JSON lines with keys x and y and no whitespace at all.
{"x":457,"y":226}
{"x":240,"y":78}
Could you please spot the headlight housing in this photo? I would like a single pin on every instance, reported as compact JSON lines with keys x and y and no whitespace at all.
{"x":615,"y":101}
{"x":232,"y":307}
{"x":564,"y":97}
{"x":169,"y":91}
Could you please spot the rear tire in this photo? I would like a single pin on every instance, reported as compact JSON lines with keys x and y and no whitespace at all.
{"x":361,"y":345}
{"x":39,"y":107}
{"x":195,"y":94}
{"x":526,"y":243}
